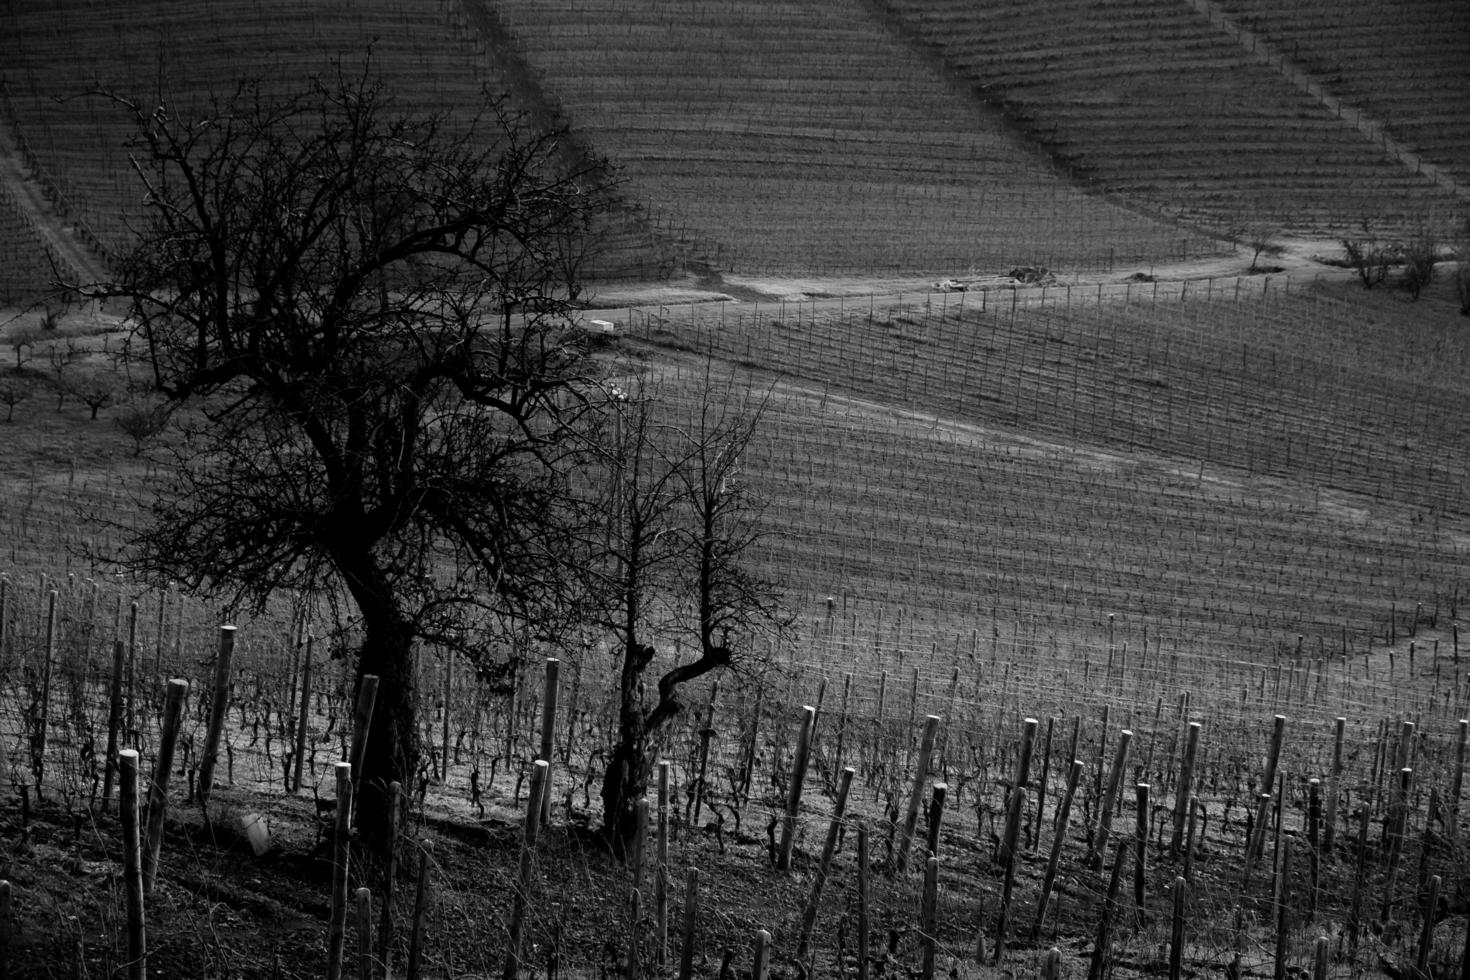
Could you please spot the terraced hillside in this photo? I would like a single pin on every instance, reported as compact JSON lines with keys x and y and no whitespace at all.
{"x":805,"y":137}
{"x":1152,"y":100}
{"x":1236,"y":477}
{"x":1406,"y":63}
{"x":178,"y":50}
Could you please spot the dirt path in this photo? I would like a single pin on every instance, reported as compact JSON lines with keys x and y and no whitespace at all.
{"x":1374,"y":130}
{"x":19,"y":187}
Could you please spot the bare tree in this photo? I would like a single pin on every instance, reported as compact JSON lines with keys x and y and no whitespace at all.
{"x":364,"y":314}
{"x":683,"y":529}
{"x":1370,"y":256}
{"x":1420,"y":253}
{"x":92,"y":386}
{"x":14,"y":390}
{"x":142,"y":419}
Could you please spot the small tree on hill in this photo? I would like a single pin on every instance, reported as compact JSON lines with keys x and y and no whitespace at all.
{"x":14,"y":390}
{"x":1420,"y":254}
{"x":682,"y":530}
{"x":364,"y":314}
{"x":1369,"y":256}
{"x":141,"y":419}
{"x":94,"y":387}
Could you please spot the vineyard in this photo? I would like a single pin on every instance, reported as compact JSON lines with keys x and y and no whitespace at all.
{"x":1126,"y":591}
{"x":1094,"y":547}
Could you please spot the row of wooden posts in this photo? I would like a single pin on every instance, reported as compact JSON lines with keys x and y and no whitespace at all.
{"x":142,"y":843}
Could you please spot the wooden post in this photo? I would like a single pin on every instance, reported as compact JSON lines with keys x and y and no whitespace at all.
{"x":1426,"y":934}
{"x":1104,"y":820}
{"x":1334,"y":785}
{"x":5,"y":897}
{"x":1102,"y":950}
{"x":219,"y":703}
{"x":1183,"y":793}
{"x":929,"y":917}
{"x":1457,"y":781}
{"x":1268,"y":783}
{"x":814,"y":899}
{"x":362,"y":717}
{"x":364,"y":934}
{"x":1140,"y":842}
{"x":1059,"y":835}
{"x":158,"y":793}
{"x":661,"y":869}
{"x":420,"y":907}
{"x":114,"y":722}
{"x":1041,"y":788}
{"x":762,"y":959}
{"x":127,"y":765}
{"x":691,"y":922}
{"x":1176,"y":932}
{"x":863,"y":933}
{"x":341,"y":843}
{"x":1016,"y":806}
{"x":1282,"y":895}
{"x":936,"y":816}
{"x":390,"y":872}
{"x":301,"y":721}
{"x":1028,"y":748}
{"x":916,"y":796}
{"x":523,"y":879}
{"x":548,"y":730}
{"x":1319,"y":958}
{"x":798,"y":778}
{"x":38,"y":746}
{"x":1051,"y":965}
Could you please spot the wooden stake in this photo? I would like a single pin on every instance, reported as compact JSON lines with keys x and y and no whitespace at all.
{"x":814,"y":899}
{"x":364,"y":934}
{"x":691,"y":923}
{"x":1016,"y":807}
{"x":1176,"y":932}
{"x":1457,"y":781}
{"x":1334,"y":786}
{"x":127,"y":764}
{"x":529,"y":829}
{"x":420,"y":907}
{"x":1268,"y":783}
{"x":916,"y":796}
{"x":219,"y":703}
{"x":1426,"y":934}
{"x":1102,"y":950}
{"x":114,"y":722}
{"x":928,"y":918}
{"x":1282,"y":895}
{"x":798,"y":779}
{"x":1183,"y":793}
{"x":762,"y":958}
{"x":1104,"y":821}
{"x":158,"y":792}
{"x":548,"y":730}
{"x":864,"y":938}
{"x":341,"y":842}
{"x":301,"y":721}
{"x":661,"y":869}
{"x":1059,"y":835}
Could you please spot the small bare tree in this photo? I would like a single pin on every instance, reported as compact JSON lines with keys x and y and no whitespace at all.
{"x":14,"y":390}
{"x":675,"y":569}
{"x":93,"y":386}
{"x":142,"y":419}
{"x":1370,"y":256}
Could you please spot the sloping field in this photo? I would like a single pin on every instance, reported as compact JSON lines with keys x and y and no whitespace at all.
{"x":1151,"y":100}
{"x":1407,"y":64}
{"x":1212,"y":483}
{"x":181,"y":50}
{"x":804,"y":137}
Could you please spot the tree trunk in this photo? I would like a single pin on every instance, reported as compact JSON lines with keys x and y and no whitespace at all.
{"x":628,"y":768}
{"x":391,"y":753}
